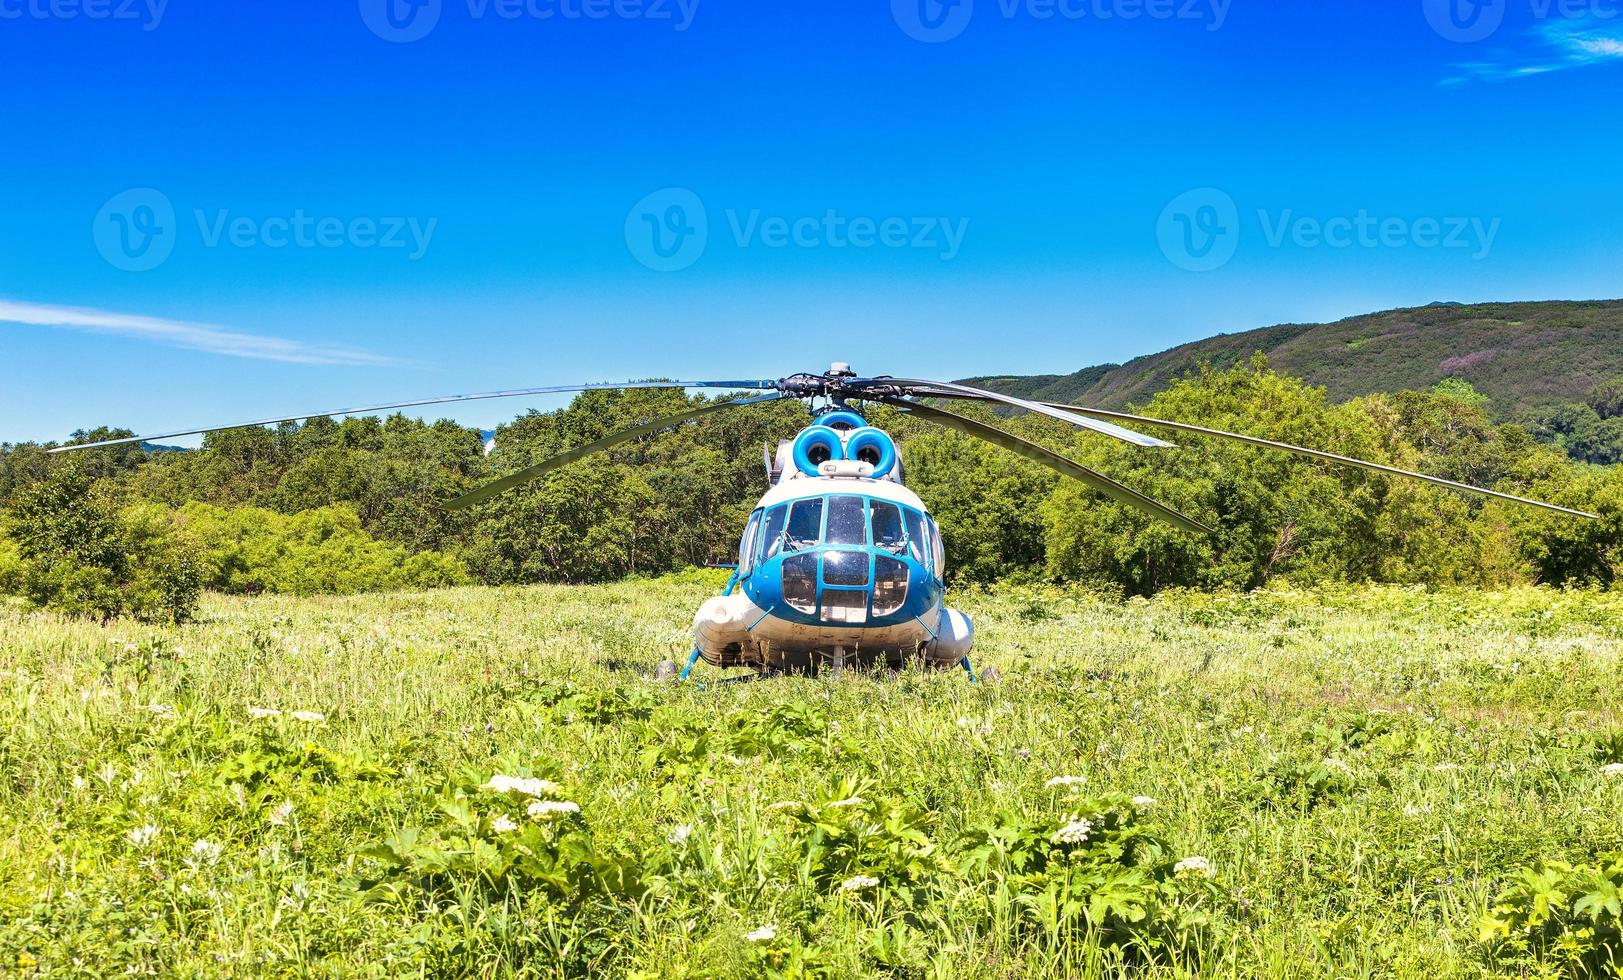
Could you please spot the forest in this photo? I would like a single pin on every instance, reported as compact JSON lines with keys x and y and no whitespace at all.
{"x":342,"y":507}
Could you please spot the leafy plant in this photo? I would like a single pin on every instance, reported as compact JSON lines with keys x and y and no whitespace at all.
{"x":850,"y":835}
{"x":500,"y":840}
{"x":1099,"y":870}
{"x":1569,"y":915}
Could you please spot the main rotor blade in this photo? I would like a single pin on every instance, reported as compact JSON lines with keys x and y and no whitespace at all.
{"x":514,"y":393}
{"x":1053,"y":460}
{"x":544,"y":467}
{"x":948,"y":389}
{"x":1327,"y":457}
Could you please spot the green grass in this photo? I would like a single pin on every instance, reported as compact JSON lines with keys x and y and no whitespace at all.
{"x":1364,"y":769}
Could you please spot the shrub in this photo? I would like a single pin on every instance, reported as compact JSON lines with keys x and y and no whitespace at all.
{"x":75,"y":552}
{"x":12,"y":567}
{"x":321,"y":551}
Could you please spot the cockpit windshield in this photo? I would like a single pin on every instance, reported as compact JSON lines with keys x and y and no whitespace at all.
{"x":805,"y":524}
{"x":887,"y":527}
{"x":850,"y":522}
{"x":847,"y":521}
{"x":772,"y":533}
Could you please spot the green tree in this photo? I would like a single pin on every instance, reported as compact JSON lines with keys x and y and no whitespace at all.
{"x":76,"y":553}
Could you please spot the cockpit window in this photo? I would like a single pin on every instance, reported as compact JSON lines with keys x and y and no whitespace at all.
{"x":746,"y":547}
{"x":847,"y":520}
{"x":918,"y":543}
{"x":938,"y":551}
{"x":800,"y":582}
{"x":805,"y":524}
{"x":772,"y":532}
{"x":889,"y":585}
{"x":887,"y":527}
{"x":845,"y":568}
{"x":845,"y":606}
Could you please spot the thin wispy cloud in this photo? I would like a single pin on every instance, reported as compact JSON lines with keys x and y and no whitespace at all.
{"x":1554,"y":45}
{"x":189,"y":336}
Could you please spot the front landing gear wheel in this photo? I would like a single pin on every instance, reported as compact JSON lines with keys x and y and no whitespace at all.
{"x":991,"y":675}
{"x":666,"y":671}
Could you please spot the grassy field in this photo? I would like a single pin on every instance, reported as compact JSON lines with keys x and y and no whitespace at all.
{"x":1283,"y":784}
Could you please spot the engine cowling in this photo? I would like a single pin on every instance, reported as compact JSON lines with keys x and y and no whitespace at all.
{"x":874,"y":447}
{"x":816,"y":445}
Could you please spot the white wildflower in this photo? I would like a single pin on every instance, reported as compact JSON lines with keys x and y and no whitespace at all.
{"x":765,"y":934}
{"x":254,"y":712}
{"x":503,"y":824}
{"x":852,"y":801}
{"x":1612,"y":770}
{"x":79,"y":784}
{"x":1075,"y":831}
{"x":518,"y":784}
{"x":312,"y":717}
{"x":547,"y":809}
{"x":143,"y":836}
{"x":1337,"y":766}
{"x":162,"y":710}
{"x":858,"y":883}
{"x":1445,"y":767}
{"x":205,"y":852}
{"x":282,"y":814}
{"x":1195,"y":865}
{"x":1066,"y":782}
{"x":1145,"y":802}
{"x":680,"y":833}
{"x":782,"y":805}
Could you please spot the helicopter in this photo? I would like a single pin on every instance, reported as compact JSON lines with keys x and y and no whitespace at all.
{"x":840,"y":565}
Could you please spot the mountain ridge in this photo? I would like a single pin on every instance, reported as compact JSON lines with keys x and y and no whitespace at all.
{"x":1523,"y":356}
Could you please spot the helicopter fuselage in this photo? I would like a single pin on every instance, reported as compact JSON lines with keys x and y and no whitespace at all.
{"x":838,"y":568}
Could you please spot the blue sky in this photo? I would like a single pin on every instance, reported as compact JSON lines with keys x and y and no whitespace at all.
{"x":217,"y":211}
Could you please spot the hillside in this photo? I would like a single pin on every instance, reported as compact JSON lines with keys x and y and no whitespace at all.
{"x":1522,"y":355}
